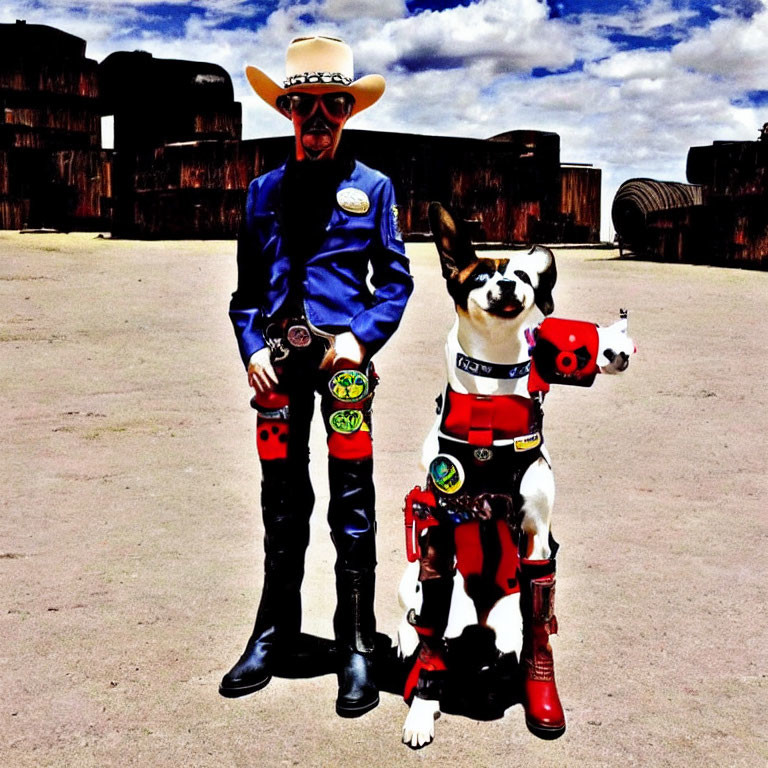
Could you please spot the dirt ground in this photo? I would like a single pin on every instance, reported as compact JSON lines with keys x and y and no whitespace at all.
{"x":130,"y":534}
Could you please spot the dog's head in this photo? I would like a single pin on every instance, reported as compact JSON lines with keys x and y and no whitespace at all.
{"x":507,"y":287}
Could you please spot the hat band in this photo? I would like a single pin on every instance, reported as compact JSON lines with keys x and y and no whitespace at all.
{"x":315,"y":78}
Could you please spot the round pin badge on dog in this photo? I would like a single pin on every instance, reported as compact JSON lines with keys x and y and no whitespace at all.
{"x":353,"y":200}
{"x":447,"y":473}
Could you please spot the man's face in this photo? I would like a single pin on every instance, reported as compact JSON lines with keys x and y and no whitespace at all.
{"x":317,"y":122}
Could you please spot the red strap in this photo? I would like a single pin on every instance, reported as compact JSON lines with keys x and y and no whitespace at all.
{"x":481,"y":423}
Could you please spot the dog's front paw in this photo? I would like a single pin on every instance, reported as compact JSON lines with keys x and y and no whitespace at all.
{"x":616,"y":362}
{"x":419,"y":726}
{"x":615,"y":347}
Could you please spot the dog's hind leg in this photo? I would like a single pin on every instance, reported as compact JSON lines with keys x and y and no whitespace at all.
{"x":419,"y":726}
{"x":409,"y":594}
{"x":544,"y":714}
{"x":537,"y":489}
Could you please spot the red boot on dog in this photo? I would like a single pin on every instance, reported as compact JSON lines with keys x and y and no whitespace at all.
{"x":544,"y":714}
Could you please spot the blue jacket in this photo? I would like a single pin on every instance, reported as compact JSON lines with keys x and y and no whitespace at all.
{"x":335,"y":289}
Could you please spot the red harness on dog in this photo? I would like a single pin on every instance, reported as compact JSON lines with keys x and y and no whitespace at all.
{"x":483,"y":419}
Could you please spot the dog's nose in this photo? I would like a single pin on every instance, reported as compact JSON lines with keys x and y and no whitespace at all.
{"x":505,"y":284}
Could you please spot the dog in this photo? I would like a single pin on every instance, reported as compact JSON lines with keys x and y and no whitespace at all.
{"x":478,"y":534}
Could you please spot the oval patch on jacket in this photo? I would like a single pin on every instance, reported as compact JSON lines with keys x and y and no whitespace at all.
{"x":353,"y":200}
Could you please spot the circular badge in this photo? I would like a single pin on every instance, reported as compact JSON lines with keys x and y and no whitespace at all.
{"x":346,"y":421}
{"x":447,"y":473}
{"x":349,"y":386}
{"x":353,"y":200}
{"x":483,"y":454}
{"x":299,"y":336}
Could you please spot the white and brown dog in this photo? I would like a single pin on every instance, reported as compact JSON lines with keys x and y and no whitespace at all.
{"x":483,"y":520}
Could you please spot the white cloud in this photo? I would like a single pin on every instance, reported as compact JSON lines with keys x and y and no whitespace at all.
{"x":508,"y":33}
{"x":731,"y":48}
{"x":346,"y":10}
{"x":465,"y":71}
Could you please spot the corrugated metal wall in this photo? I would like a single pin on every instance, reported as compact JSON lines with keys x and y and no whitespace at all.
{"x":53,"y":172}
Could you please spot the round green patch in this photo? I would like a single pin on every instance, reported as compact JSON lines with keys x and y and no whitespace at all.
{"x":346,"y":420}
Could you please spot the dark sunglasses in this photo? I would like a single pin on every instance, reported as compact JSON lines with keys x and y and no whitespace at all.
{"x":336,"y":105}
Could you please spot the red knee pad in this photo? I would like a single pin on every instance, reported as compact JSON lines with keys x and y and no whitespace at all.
{"x":356,"y":445}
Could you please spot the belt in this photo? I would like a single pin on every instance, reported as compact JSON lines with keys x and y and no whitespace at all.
{"x":290,"y":333}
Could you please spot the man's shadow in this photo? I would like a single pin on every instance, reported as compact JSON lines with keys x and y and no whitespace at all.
{"x":480,"y":683}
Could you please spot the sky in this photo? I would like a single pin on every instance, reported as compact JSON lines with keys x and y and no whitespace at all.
{"x":628,"y":85}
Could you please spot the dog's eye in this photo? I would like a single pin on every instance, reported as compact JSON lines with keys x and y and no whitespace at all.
{"x":523,"y":276}
{"x":479,"y":277}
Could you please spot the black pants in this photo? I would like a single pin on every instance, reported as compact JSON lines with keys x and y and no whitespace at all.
{"x":283,"y":427}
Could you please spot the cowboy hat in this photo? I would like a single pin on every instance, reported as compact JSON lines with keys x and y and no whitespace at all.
{"x":316,"y":65}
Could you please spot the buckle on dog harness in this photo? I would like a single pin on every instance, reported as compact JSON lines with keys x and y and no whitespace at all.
{"x":492,"y":370}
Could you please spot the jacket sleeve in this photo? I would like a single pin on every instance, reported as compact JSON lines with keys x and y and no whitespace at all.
{"x":245,"y":307}
{"x":391,"y":280}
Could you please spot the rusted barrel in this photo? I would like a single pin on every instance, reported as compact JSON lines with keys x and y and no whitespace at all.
{"x":636,"y":199}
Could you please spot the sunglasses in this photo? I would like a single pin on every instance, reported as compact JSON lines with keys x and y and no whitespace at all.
{"x":335,"y":105}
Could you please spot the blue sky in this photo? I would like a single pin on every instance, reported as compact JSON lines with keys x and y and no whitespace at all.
{"x":628,"y":85}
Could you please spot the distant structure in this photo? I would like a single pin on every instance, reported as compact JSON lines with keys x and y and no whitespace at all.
{"x":179,"y":168}
{"x":512,"y":188}
{"x":657,"y":217}
{"x":720,"y":218}
{"x":166,"y":109}
{"x":53,"y":172}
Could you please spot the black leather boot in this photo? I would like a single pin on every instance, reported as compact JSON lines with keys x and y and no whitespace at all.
{"x":287,"y":501}
{"x":351,"y":515}
{"x":355,"y":629}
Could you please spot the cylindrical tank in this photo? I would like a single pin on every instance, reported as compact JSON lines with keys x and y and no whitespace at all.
{"x":636,"y":199}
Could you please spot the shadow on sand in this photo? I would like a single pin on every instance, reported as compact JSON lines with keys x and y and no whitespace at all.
{"x":481,"y":684}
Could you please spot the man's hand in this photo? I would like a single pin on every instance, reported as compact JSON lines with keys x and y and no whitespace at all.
{"x":345,"y":352}
{"x":261,"y":374}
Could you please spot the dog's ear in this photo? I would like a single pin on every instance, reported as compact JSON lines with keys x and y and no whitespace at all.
{"x":453,"y":243}
{"x":547,"y":271}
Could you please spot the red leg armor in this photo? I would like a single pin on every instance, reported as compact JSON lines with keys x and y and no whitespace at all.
{"x":425,"y":677}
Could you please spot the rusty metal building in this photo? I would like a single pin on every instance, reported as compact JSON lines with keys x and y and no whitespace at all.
{"x":159,"y":103}
{"x":512,"y":189}
{"x":180,"y":169}
{"x":720,"y":218}
{"x":53,"y":172}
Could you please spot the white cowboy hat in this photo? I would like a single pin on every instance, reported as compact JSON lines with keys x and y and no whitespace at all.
{"x":317,"y":65}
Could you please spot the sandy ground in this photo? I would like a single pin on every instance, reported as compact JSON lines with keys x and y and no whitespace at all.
{"x":130,"y":541}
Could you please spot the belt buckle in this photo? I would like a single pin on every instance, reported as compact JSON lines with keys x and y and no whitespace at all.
{"x":298,"y":336}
